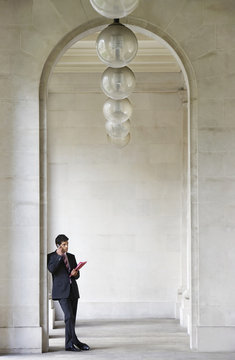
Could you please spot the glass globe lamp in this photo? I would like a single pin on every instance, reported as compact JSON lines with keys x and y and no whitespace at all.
{"x":118,"y":130}
{"x":116,"y":45}
{"x":119,"y":142}
{"x":114,"y":8}
{"x":117,"y":111}
{"x":118,"y":83}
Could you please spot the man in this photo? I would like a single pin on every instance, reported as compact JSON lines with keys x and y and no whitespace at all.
{"x":62,"y":266}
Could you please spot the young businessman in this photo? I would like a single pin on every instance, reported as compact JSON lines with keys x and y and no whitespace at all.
{"x":62,"y":266}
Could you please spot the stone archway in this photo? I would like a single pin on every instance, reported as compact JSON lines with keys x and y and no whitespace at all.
{"x":65,"y":43}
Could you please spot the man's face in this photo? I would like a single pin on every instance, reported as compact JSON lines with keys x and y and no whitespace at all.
{"x":64,"y":246}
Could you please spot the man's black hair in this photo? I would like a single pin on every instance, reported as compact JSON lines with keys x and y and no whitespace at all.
{"x":61,"y":238}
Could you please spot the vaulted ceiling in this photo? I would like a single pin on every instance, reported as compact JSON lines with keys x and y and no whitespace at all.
{"x":152,"y":56}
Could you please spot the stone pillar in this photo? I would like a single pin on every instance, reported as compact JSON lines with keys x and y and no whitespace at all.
{"x":183,"y":292}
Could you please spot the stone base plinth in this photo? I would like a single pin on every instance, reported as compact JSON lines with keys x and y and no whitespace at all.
{"x":21,"y":340}
{"x":216,"y":338}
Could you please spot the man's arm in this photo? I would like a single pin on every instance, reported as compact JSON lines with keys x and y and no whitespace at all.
{"x":74,"y":273}
{"x":53,"y":262}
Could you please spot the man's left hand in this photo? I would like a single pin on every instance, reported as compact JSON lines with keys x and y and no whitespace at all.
{"x":74,"y":272}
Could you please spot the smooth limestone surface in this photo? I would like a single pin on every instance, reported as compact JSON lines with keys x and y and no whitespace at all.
{"x":151,"y":339}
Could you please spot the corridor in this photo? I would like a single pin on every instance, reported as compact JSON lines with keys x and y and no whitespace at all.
{"x":152,"y":339}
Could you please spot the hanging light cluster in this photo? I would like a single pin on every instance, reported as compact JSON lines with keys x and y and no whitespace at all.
{"x":116,"y":46}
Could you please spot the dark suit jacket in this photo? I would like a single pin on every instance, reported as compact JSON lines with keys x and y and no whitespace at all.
{"x":60,"y":276}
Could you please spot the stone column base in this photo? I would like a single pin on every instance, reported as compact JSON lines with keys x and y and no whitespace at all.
{"x":215,"y":338}
{"x":21,"y":340}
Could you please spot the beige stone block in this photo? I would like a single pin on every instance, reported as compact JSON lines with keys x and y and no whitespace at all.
{"x":211,"y":64}
{"x":15,"y":234}
{"x":69,"y":83}
{"x":72,"y":12}
{"x":26,"y":315}
{"x":216,"y":139}
{"x":26,"y":65}
{"x":28,"y":140}
{"x":187,"y":20}
{"x":154,"y":135}
{"x":5,"y":113}
{"x":83,"y":153}
{"x":90,"y":206}
{"x":18,"y":115}
{"x":219,"y":12}
{"x":25,"y":114}
{"x":165,"y":153}
{"x":155,"y":101}
{"x":211,"y":213}
{"x":225,"y":36}
{"x":229,"y":164}
{"x":5,"y":213}
{"x":22,"y":88}
{"x":5,"y":63}
{"x":200,"y":43}
{"x":229,"y":85}
{"x":152,"y":12}
{"x":9,"y":38}
{"x":167,"y":118}
{"x":230,"y":59}
{"x":167,"y":172}
{"x":59,"y":119}
{"x":5,"y":87}
{"x":31,"y":261}
{"x":211,"y":164}
{"x":75,"y":101}
{"x":215,"y":315}
{"x":211,"y":113}
{"x":229,"y":212}
{"x":33,"y":43}
{"x":115,"y":243}
{"x":48,"y":21}
{"x":20,"y":165}
{"x":208,"y":87}
{"x":89,"y":11}
{"x":25,"y":214}
{"x":79,"y":136}
{"x":156,"y":189}
{"x":110,"y":190}
{"x":16,"y":339}
{"x":157,"y":82}
{"x":217,"y":190}
{"x":6,"y":314}
{"x":12,"y":13}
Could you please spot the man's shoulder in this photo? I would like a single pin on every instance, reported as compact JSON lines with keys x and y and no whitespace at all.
{"x":51,"y":254}
{"x":69,"y":254}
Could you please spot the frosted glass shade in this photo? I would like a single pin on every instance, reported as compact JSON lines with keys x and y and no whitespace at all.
{"x":118,"y":130}
{"x":114,"y":8}
{"x":117,"y":111}
{"x":118,"y":83}
{"x":119,"y":142}
{"x":116,"y":45}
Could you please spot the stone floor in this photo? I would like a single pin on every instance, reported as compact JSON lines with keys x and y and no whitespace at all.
{"x":152,"y":339}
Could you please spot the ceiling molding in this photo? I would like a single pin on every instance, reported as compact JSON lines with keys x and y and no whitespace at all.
{"x":152,"y":57}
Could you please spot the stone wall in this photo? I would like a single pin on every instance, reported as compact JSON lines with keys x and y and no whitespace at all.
{"x":202,"y":33}
{"x":121,"y":208}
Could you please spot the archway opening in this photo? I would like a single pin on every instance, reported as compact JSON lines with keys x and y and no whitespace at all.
{"x":158,"y":163}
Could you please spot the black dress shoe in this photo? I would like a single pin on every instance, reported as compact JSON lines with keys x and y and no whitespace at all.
{"x":82,"y":346}
{"x":72,"y":348}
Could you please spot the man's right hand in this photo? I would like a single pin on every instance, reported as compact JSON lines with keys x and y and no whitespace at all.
{"x":60,"y":251}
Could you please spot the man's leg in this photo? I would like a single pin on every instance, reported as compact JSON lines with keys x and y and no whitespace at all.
{"x":78,"y":343}
{"x":74,"y":304}
{"x":70,"y":336}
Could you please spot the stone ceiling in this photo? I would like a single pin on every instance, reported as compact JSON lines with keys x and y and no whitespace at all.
{"x":152,"y":56}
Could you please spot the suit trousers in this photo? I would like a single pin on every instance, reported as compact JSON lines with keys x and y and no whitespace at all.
{"x":69,"y":307}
